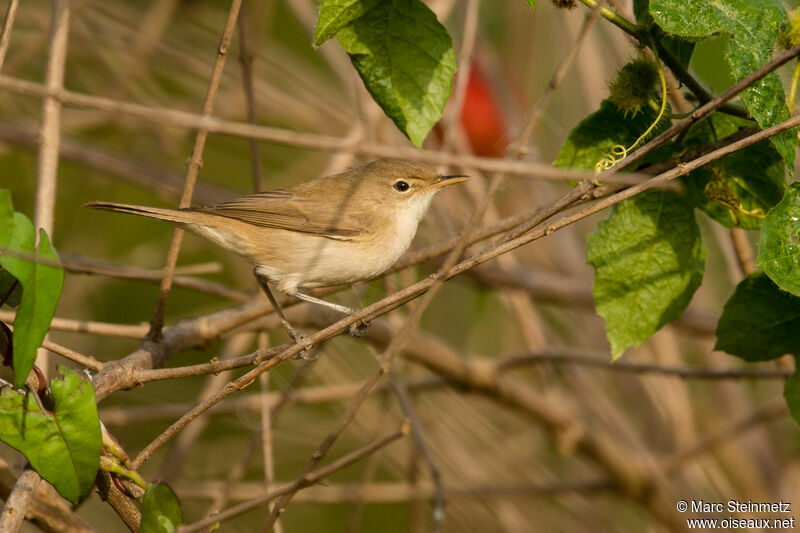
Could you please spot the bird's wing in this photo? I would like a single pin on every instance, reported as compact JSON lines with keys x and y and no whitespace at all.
{"x":282,"y":209}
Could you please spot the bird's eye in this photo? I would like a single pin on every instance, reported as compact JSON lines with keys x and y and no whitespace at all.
{"x":401,"y":186}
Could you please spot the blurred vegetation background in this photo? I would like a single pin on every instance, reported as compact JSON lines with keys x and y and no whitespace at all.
{"x":709,"y":439}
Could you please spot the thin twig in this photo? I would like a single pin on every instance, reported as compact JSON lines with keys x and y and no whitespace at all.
{"x":446,"y":272}
{"x":50,"y":128}
{"x":5,"y":34}
{"x":48,"y":511}
{"x":148,"y":175}
{"x":253,"y":402}
{"x":172,"y":463}
{"x":386,"y":358}
{"x":172,"y":117}
{"x":599,"y":359}
{"x":215,"y":366}
{"x":194,"y":165}
{"x":267,"y":421}
{"x":88,"y":326}
{"x":17,"y":503}
{"x":300,"y":483}
{"x":246,"y":62}
{"x":276,"y":402}
{"x":735,"y":429}
{"x":402,"y":492}
{"x":50,"y":134}
{"x":88,"y":362}
{"x":556,"y":79}
{"x":407,"y":405}
{"x":464,"y":66}
{"x":744,"y":253}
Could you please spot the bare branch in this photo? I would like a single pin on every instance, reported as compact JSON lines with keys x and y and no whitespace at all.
{"x":5,"y":34}
{"x":195,"y":162}
{"x":300,"y":483}
{"x":19,"y":500}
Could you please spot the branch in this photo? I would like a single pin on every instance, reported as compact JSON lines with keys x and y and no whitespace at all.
{"x":19,"y":500}
{"x":300,"y":483}
{"x":594,"y":358}
{"x":704,"y":111}
{"x":151,"y":176}
{"x":333,"y":143}
{"x":165,"y":349}
{"x":401,"y":492}
{"x":5,"y":34}
{"x":88,"y":326}
{"x":195,"y":162}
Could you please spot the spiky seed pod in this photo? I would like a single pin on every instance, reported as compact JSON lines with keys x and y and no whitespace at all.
{"x":633,"y":85}
{"x":789,"y":36}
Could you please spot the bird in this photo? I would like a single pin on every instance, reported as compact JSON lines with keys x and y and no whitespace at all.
{"x":332,"y":230}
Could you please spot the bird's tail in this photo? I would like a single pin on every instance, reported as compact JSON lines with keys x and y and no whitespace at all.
{"x":169,"y":215}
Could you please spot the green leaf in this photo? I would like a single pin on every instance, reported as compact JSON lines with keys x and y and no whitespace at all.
{"x":41,"y":289}
{"x":595,"y":135}
{"x":531,"y":3}
{"x":760,"y":321}
{"x":791,"y":392}
{"x":406,"y":60}
{"x":161,"y":510}
{"x":753,"y":28}
{"x":779,"y":244}
{"x":680,"y":48}
{"x":648,"y":258}
{"x":62,"y":445}
{"x":336,"y":14}
{"x":740,"y":188}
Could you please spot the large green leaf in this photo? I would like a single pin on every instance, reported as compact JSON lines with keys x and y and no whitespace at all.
{"x":648,"y":258}
{"x":681,"y":49}
{"x":753,"y":27}
{"x":740,"y":188}
{"x":760,"y":321}
{"x":595,"y":135}
{"x":62,"y":445}
{"x":779,"y":244}
{"x":161,"y":510}
{"x":41,"y":289}
{"x":405,"y":58}
{"x":336,"y":14}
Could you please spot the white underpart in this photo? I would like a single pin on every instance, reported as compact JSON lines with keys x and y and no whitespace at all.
{"x":353,"y":261}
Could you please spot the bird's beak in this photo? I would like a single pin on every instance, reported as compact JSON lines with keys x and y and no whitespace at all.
{"x":444,"y":181}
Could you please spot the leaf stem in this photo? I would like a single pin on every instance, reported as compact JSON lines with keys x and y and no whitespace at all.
{"x":793,"y":89}
{"x":616,"y":19}
{"x":110,"y":465}
{"x":695,"y":86}
{"x":640,"y":34}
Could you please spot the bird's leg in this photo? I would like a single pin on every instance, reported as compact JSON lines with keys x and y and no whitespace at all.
{"x":356,"y":330}
{"x":341,"y":308}
{"x":294,"y":334}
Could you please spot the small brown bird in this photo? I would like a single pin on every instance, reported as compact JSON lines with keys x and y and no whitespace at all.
{"x":332,"y":230}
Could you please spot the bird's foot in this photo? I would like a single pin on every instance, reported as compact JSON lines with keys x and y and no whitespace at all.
{"x":359,"y":329}
{"x":309,"y":354}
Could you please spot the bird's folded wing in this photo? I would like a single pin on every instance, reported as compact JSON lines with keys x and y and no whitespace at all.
{"x":280,"y":209}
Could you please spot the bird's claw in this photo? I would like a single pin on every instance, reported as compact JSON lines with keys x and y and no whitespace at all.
{"x":308,"y":354}
{"x":359,"y":329}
